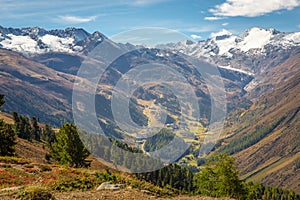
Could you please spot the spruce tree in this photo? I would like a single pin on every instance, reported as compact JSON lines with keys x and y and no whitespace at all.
{"x":68,"y":149}
{"x":48,"y":134}
{"x":7,"y":139}
{"x":2,"y":100}
{"x":35,"y":129}
{"x":7,"y":135}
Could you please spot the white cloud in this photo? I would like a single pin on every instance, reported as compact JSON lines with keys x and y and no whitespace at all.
{"x":252,"y":8}
{"x":195,"y":37}
{"x":220,"y":33}
{"x":76,"y":19}
{"x":225,"y":24}
{"x":199,"y":29}
{"x":213,"y":18}
{"x":146,"y":2}
{"x":299,"y":26}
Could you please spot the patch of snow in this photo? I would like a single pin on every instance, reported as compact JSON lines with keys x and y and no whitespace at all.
{"x":220,"y":33}
{"x":58,"y":44}
{"x":20,"y":44}
{"x":293,"y":37}
{"x":162,"y":54}
{"x":237,"y":70}
{"x":78,"y":48}
{"x":226,"y":44}
{"x":256,"y":38}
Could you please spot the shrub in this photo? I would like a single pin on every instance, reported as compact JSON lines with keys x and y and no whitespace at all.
{"x":75,"y":184}
{"x":45,"y":168}
{"x":35,"y":193}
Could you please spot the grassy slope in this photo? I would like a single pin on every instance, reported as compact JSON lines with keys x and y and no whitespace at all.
{"x":33,"y":89}
{"x":272,"y":159}
{"x":30,"y":169}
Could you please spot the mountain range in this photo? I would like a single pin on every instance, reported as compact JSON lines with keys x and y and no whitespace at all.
{"x":259,"y":68}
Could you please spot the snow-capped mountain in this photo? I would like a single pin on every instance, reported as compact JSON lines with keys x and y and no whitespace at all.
{"x":242,"y":53}
{"x":36,"y":40}
{"x":253,"y":53}
{"x":72,"y":40}
{"x":224,"y":43}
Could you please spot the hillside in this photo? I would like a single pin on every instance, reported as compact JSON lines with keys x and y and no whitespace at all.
{"x":33,"y":89}
{"x":265,"y":138}
{"x":29,"y":172}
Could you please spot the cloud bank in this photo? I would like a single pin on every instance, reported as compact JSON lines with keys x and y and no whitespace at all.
{"x":252,"y":8}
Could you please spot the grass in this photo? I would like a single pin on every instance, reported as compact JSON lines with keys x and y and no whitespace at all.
{"x":42,"y":179}
{"x":6,"y":117}
{"x":13,"y":160}
{"x":272,"y":167}
{"x":11,"y":177}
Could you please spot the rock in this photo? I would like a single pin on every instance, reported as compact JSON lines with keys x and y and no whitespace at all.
{"x":146,"y":191}
{"x":110,"y":186}
{"x":11,"y":189}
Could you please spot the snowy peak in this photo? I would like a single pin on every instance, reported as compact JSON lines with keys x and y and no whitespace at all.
{"x":222,"y":34}
{"x":36,"y":40}
{"x":254,"y":41}
{"x":259,"y":31}
{"x":242,"y":53}
{"x":255,"y":38}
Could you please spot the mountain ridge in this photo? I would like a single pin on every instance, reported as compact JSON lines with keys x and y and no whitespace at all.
{"x":220,"y":43}
{"x":36,"y":40}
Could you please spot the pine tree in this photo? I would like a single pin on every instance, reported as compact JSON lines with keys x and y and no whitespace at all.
{"x":2,"y":100}
{"x":35,"y":129}
{"x":48,"y":134}
{"x":69,"y":149}
{"x":7,"y":135}
{"x":22,"y":126}
{"x":7,"y":139}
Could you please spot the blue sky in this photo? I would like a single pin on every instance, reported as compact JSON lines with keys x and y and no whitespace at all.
{"x":196,"y":18}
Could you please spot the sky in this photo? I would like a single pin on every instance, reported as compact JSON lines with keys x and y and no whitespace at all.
{"x":196,"y":19}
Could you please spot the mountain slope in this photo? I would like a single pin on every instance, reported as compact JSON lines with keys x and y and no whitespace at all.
{"x":34,"y":89}
{"x":254,"y":52}
{"x":265,"y":138}
{"x":59,"y":66}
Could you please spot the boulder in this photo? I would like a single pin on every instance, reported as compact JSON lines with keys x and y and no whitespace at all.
{"x":110,"y":186}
